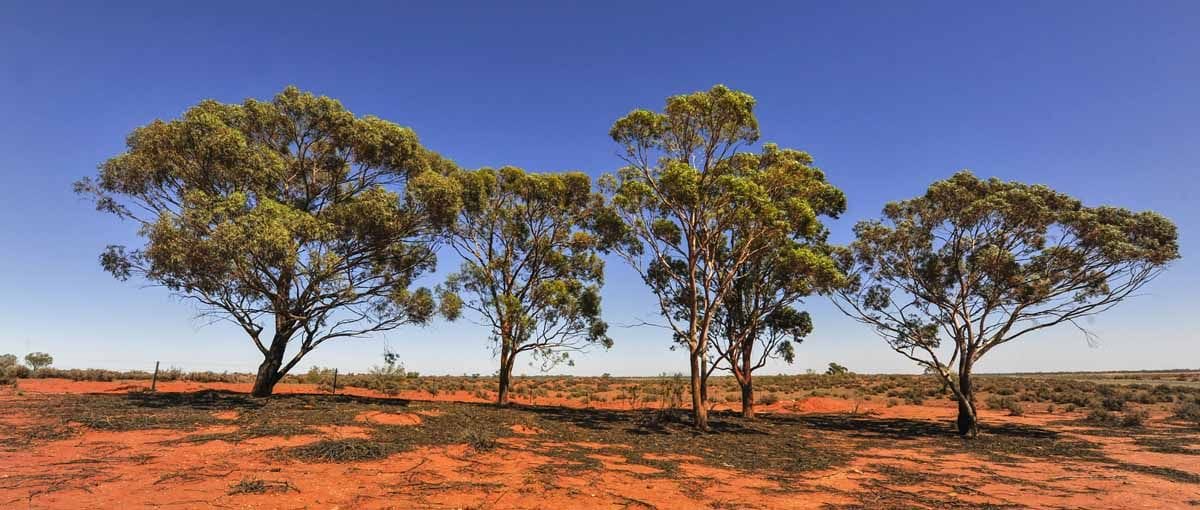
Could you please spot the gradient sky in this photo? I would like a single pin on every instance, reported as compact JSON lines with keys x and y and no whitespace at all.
{"x":1097,"y":99}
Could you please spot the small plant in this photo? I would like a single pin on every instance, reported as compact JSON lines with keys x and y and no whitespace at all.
{"x":1189,"y":412}
{"x":1113,"y":403}
{"x":479,"y":441}
{"x":1100,"y":417}
{"x":389,"y":378}
{"x":671,"y":392}
{"x":1135,"y":418}
{"x":340,"y":450}
{"x":1010,"y":404}
{"x":768,"y":399}
{"x":259,"y":486}
{"x":10,"y":371}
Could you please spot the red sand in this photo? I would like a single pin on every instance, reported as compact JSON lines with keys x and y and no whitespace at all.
{"x":99,"y":469}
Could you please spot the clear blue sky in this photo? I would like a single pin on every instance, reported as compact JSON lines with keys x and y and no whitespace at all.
{"x":1098,"y":99}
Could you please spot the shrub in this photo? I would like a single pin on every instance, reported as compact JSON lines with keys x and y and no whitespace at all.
{"x":1135,"y":418}
{"x":1010,"y":404}
{"x":340,"y":450}
{"x":387,"y":379}
{"x":1106,"y":418}
{"x":318,"y":375}
{"x":170,"y":374}
{"x":1100,"y":417}
{"x":479,"y":441}
{"x":768,"y":399}
{"x":10,"y":372}
{"x":1113,"y":403}
{"x":1189,"y":412}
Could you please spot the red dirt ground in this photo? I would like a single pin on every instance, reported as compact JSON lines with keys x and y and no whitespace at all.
{"x":102,"y":469}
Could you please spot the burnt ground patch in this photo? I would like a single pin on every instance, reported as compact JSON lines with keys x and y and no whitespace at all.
{"x":779,"y":446}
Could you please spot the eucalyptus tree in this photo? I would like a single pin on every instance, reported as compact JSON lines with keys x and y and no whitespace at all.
{"x":529,"y":270}
{"x":974,"y":264}
{"x":758,"y":319}
{"x":38,"y":360}
{"x":286,"y":217}
{"x":689,"y":211}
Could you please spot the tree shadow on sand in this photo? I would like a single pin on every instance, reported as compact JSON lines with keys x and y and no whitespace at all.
{"x":225,"y":400}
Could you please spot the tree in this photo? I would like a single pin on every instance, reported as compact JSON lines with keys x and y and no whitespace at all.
{"x":529,"y":270}
{"x":7,"y":360}
{"x":979,"y":263}
{"x":38,"y":360}
{"x":757,"y":319}
{"x":836,"y":369}
{"x":689,"y":211}
{"x":284,"y":217}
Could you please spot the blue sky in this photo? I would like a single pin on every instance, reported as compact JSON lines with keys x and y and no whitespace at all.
{"x":1097,"y":99}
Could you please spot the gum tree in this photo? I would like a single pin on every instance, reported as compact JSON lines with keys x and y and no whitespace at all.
{"x":758,"y":319}
{"x":285,"y":217}
{"x":974,"y":264}
{"x":689,"y":212}
{"x":529,"y":269}
{"x":38,"y":360}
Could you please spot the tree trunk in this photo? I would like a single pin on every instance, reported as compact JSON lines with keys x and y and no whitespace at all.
{"x":506,"y":364}
{"x":704,"y":379}
{"x":746,"y":381}
{"x":748,"y":398}
{"x":968,"y":424}
{"x":699,"y":409}
{"x":268,"y":373}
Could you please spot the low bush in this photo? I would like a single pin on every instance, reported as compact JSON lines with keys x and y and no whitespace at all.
{"x":1189,"y":412}
{"x":1130,"y":419}
{"x":1135,"y":418}
{"x":768,"y":399}
{"x":1008,"y":403}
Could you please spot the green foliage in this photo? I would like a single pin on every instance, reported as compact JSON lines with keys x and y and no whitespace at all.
{"x":38,"y":360}
{"x":10,"y":370}
{"x":287,"y":216}
{"x":757,"y":319}
{"x":1009,"y":404}
{"x":1189,"y":411}
{"x":388,"y":378}
{"x":973,"y":264}
{"x":529,"y":269}
{"x":1133,"y":418}
{"x":690,"y":212}
{"x":836,"y":369}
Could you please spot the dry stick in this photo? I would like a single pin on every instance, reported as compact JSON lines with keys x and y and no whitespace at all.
{"x":335,"y":381}
{"x":154,"y":380}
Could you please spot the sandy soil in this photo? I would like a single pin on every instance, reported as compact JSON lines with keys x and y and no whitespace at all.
{"x":135,"y":469}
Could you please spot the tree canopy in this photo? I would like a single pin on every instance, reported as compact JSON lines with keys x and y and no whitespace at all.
{"x":38,"y":360}
{"x":286,"y":217}
{"x":689,"y":210}
{"x":975,"y":263}
{"x":529,"y":269}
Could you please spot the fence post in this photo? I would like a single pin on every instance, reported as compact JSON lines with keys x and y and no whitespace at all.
{"x":335,"y":381}
{"x":154,"y":380}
